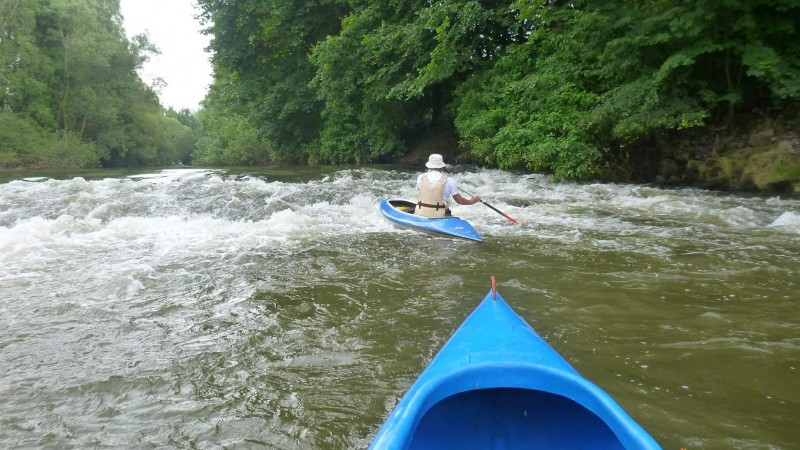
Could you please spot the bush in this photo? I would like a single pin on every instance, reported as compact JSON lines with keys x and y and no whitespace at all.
{"x":25,"y":144}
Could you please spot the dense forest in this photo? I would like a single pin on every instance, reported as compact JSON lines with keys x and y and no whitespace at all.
{"x":665,"y":90}
{"x":579,"y":89}
{"x":70,"y":95}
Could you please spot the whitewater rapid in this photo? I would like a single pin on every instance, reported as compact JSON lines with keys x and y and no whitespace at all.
{"x":215,"y":308}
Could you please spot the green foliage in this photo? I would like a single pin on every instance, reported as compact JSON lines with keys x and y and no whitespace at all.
{"x":464,"y":36}
{"x":360,"y":123}
{"x":20,"y":140}
{"x":532,"y":119}
{"x":228,"y":140}
{"x":24,"y":143}
{"x":569,"y":88}
{"x":262,"y":69}
{"x":68,"y":79}
{"x":596,"y":79}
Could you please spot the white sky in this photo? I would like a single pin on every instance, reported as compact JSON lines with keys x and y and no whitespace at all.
{"x":183,"y":62}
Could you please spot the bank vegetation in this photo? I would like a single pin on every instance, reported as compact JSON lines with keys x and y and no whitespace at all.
{"x":704,"y":93}
{"x":70,"y":95}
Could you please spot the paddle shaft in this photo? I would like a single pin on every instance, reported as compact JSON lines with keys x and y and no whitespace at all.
{"x":492,"y":207}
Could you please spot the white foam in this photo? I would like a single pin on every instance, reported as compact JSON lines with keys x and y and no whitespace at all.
{"x":788,"y":221}
{"x":182,"y":212}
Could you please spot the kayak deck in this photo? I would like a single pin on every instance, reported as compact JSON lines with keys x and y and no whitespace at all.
{"x":497,"y":384}
{"x":401,"y":213}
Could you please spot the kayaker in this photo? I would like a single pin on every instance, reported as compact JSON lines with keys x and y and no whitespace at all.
{"x":435,"y":188}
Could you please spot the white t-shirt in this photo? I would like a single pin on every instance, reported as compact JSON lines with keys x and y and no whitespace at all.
{"x":450,"y":187}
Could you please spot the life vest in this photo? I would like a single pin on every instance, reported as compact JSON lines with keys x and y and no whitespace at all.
{"x":431,"y":198}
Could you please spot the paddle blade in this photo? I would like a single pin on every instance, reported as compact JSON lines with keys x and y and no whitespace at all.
{"x":510,"y":218}
{"x":513,"y":220}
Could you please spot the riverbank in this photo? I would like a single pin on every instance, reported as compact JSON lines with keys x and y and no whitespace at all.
{"x":754,"y":154}
{"x":758,"y":154}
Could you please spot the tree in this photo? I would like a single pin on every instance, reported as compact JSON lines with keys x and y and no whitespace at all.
{"x":579,"y":89}
{"x":392,"y":72}
{"x":68,"y":80}
{"x":24,"y":68}
{"x":594,"y":80}
{"x":261,"y":65}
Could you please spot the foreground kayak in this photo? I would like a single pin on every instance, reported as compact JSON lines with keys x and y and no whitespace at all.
{"x":496,"y":384}
{"x":401,"y":213}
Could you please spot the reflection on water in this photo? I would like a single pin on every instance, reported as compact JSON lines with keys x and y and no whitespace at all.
{"x":277,"y":309}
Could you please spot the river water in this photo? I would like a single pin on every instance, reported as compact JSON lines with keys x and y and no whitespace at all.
{"x":276,"y":308}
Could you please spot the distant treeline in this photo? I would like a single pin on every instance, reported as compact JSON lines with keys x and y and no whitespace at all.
{"x":579,"y":88}
{"x":70,"y":95}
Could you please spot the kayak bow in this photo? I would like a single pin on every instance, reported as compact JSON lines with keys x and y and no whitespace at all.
{"x":401,"y":213}
{"x":497,"y":384}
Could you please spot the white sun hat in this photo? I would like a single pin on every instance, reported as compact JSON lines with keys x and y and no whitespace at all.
{"x":435,"y":161}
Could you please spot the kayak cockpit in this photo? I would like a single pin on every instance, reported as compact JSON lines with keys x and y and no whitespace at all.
{"x":403,"y":206}
{"x":511,"y":418}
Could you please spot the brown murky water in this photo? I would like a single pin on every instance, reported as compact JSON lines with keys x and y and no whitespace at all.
{"x":277,"y":309}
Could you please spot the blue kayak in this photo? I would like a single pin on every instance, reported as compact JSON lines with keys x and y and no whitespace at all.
{"x":496,"y":384}
{"x":401,"y":213}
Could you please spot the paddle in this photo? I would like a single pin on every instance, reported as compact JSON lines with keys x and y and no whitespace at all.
{"x":495,"y":209}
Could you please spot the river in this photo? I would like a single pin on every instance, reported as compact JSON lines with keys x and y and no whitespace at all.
{"x":276,"y":308}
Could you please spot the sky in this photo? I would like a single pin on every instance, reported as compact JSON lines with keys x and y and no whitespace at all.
{"x":183,"y":62}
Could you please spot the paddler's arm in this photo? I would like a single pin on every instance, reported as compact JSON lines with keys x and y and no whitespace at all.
{"x":463,"y":201}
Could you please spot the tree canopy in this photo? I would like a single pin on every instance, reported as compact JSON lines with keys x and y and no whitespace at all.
{"x":571,"y":88}
{"x":576,"y":88}
{"x":69,"y":92}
